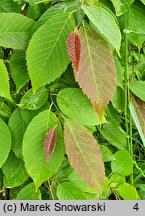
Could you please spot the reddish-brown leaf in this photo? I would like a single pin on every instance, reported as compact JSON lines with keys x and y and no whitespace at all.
{"x":137,"y":110}
{"x":50,"y":143}
{"x":96,"y":73}
{"x":84,"y":154}
{"x":139,"y":106}
{"x":74,"y":49}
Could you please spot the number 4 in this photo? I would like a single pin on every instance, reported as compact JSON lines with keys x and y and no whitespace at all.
{"x":136,"y":207}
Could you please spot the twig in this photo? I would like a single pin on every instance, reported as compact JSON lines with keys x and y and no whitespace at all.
{"x":6,"y":53}
{"x":25,"y":9}
{"x":136,"y":48}
{"x":50,"y":189}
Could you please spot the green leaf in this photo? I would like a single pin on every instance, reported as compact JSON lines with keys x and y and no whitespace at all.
{"x":121,"y":6}
{"x":9,"y":6}
{"x":92,"y":2}
{"x":14,"y":31}
{"x":29,"y":193}
{"x":77,"y":106}
{"x":14,"y":172}
{"x":5,"y":142}
{"x":64,"y":171}
{"x":111,"y":132}
{"x":33,"y":148}
{"x":91,"y":196}
{"x":28,"y":115}
{"x":32,"y":101}
{"x":80,"y":147}
{"x":138,"y":88}
{"x":37,"y":1}
{"x":17,"y":128}
{"x":1,"y":53}
{"x":4,"y":81}
{"x":105,"y":24}
{"x":115,"y":177}
{"x":119,"y":72}
{"x":136,"y":24}
{"x":106,"y":190}
{"x":112,"y":116}
{"x":75,"y":179}
{"x":143,"y":1}
{"x":118,"y":100}
{"x":106,"y":153}
{"x":33,"y":12}
{"x":46,"y":56}
{"x":122,"y":164}
{"x":68,"y":191}
{"x":56,"y":9}
{"x":141,"y":191}
{"x":18,"y":69}
{"x":4,"y":108}
{"x":127,"y":192}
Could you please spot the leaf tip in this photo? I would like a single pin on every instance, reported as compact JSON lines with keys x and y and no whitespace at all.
{"x":74,"y":48}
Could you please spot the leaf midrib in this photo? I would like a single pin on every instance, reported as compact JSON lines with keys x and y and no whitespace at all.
{"x":83,"y":157}
{"x":50,"y":53}
{"x":91,"y":63}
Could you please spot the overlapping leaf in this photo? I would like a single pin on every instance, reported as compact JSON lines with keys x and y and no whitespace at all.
{"x":37,"y":1}
{"x":143,"y":1}
{"x":77,"y":106}
{"x":121,"y":6}
{"x":5,"y":142}
{"x":17,"y":128}
{"x":50,"y":143}
{"x":14,"y":172}
{"x":4,"y":108}
{"x":84,"y":154}
{"x":138,"y":88}
{"x":74,"y":49}
{"x":96,"y":73}
{"x":9,"y":6}
{"x":105,"y":24}
{"x":79,"y":182}
{"x":110,"y":131}
{"x":29,"y":193}
{"x":33,"y":148}
{"x":136,"y":24}
{"x":4,"y":81}
{"x":69,"y":191}
{"x":32,"y":101}
{"x":56,"y":9}
{"x":47,"y":57}
{"x":122,"y":164}
{"x":14,"y":31}
{"x":137,"y":109}
{"x":18,"y":69}
{"x":127,"y":192}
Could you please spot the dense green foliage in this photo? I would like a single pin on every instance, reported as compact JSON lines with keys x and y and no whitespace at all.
{"x":72,"y":99}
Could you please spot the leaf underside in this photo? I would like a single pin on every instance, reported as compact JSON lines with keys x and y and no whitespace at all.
{"x":84,"y":154}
